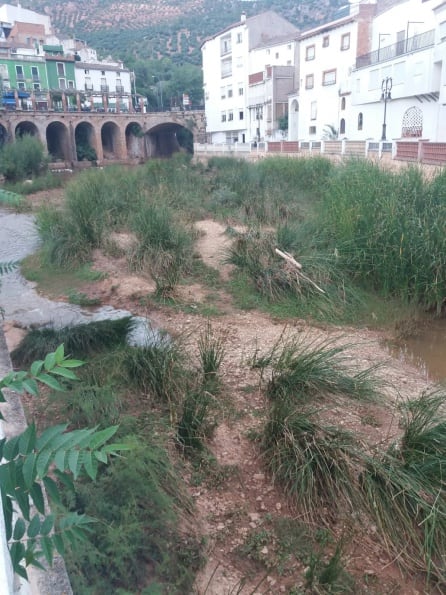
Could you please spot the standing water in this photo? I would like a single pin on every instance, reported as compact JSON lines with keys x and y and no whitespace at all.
{"x":20,"y":301}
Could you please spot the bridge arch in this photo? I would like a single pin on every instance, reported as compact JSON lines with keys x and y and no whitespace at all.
{"x":164,"y":139}
{"x":135,"y":141}
{"x":85,"y":140}
{"x":111,"y":141}
{"x":58,"y":141}
{"x":26,"y":127}
{"x":3,"y":135}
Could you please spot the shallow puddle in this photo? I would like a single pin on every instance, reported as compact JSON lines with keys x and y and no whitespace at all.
{"x":426,"y":350}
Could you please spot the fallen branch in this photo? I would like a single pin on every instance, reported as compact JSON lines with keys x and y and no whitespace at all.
{"x":298,"y":266}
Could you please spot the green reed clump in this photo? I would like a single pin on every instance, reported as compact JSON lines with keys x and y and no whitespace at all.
{"x":305,"y":369}
{"x":164,"y":245}
{"x":144,"y":522}
{"x":11,"y":199}
{"x":315,"y":463}
{"x":386,"y":229}
{"x":80,"y":341}
{"x":196,"y":421}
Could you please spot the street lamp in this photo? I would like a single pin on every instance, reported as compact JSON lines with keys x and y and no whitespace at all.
{"x":386,"y":87}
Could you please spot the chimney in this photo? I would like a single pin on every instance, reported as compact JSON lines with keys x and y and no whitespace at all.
{"x":243,"y":17}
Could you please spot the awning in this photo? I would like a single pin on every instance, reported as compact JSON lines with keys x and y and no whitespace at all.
{"x":8,"y":101}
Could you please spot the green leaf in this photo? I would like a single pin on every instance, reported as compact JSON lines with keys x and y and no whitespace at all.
{"x":46,"y":543}
{"x":73,"y":462}
{"x":101,"y":456}
{"x":59,"y":354}
{"x":44,"y":459}
{"x":51,"y":489}
{"x":19,"y":529}
{"x":50,"y":381}
{"x":103,"y":436}
{"x":20,"y":571}
{"x":17,"y":553}
{"x":49,"y":434}
{"x":50,"y":361}
{"x":90,"y":464}
{"x":36,"y":367}
{"x":30,"y":386}
{"x":66,"y":373}
{"x":47,"y":524}
{"x":59,"y":544}
{"x":34,"y":527}
{"x":59,"y":459}
{"x":11,"y":448}
{"x":72,"y":363}
{"x":2,"y":444}
{"x":37,"y":496}
{"x":22,"y":500}
{"x":27,"y":440}
{"x":29,"y":470}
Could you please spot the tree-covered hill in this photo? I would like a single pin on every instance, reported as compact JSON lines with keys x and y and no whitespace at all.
{"x":170,"y":28}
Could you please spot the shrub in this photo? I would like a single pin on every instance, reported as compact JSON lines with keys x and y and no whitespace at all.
{"x":23,"y":159}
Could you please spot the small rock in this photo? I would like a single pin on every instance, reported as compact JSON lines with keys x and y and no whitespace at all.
{"x":278,"y":506}
{"x":264,"y":550}
{"x":220,"y":526}
{"x":254,"y":516}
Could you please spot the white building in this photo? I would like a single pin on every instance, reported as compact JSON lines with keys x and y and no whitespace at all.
{"x":377,"y":73}
{"x":13,"y":14}
{"x":406,"y":67}
{"x":248,"y":71}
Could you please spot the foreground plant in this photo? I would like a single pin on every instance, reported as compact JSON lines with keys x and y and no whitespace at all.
{"x":29,"y":460}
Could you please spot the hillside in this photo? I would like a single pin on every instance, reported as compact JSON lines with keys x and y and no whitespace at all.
{"x":172,"y":28}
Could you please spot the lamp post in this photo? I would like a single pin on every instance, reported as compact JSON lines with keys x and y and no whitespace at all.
{"x":386,"y":87}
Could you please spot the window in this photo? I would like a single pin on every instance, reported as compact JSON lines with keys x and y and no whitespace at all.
{"x":240,"y":90}
{"x":313,"y":110}
{"x":19,"y":73}
{"x":309,"y":81}
{"x":310,"y":53}
{"x":443,"y":30}
{"x":86,"y":71}
{"x":325,"y":41}
{"x":60,"y":69}
{"x":329,"y":77}
{"x":21,"y":86}
{"x":360,"y":121}
{"x":102,"y":72}
{"x":223,"y":116}
{"x":88,"y":84}
{"x":239,"y":37}
{"x":222,"y":92}
{"x":229,"y":92}
{"x":345,"y":41}
{"x":343,"y":103}
{"x":241,"y":115}
{"x":225,"y":45}
{"x":71,"y":84}
{"x":34,"y":72}
{"x":62,"y":84}
{"x":277,"y":55}
{"x":312,"y":130}
{"x":36,"y":86}
{"x":226,"y":67}
{"x":239,"y":61}
{"x":342,"y":126}
{"x":230,"y":116}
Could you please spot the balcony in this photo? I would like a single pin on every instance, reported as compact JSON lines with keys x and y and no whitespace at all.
{"x":104,"y":88}
{"x":88,"y":87}
{"x":119,"y":89}
{"x":405,"y":46}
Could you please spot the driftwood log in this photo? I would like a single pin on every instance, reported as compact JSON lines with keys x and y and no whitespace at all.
{"x":298,"y":267}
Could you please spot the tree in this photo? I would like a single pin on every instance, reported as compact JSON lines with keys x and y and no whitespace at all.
{"x":55,"y":457}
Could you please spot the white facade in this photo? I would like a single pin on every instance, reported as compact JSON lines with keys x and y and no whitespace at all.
{"x":239,"y":66}
{"x":12,"y":14}
{"x":389,"y":84}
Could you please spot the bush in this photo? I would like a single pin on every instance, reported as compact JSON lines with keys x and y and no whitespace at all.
{"x":25,"y":158}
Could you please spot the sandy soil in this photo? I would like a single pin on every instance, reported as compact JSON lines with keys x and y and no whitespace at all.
{"x":246,"y":499}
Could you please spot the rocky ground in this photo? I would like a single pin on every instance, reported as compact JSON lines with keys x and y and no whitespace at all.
{"x":242,"y":500}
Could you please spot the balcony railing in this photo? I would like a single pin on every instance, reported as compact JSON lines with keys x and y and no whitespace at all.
{"x":405,"y":46}
{"x":119,"y":89}
{"x":104,"y":88}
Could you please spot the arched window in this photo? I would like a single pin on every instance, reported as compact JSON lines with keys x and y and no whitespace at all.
{"x":342,"y":126}
{"x":360,"y":121}
{"x":343,"y":103}
{"x":412,"y":123}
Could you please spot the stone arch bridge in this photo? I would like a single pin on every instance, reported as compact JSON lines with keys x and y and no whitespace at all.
{"x":77,"y":138}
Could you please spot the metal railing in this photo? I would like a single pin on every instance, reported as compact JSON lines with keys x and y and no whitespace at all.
{"x":405,"y":46}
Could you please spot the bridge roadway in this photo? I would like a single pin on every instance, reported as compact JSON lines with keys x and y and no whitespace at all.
{"x":75,"y":138}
